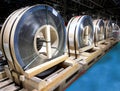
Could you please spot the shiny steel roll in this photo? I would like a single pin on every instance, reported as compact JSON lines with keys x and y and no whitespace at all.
{"x":80,"y":32}
{"x":33,"y":35}
{"x":116,"y":31}
{"x":108,"y":29}
{"x":99,"y":30}
{"x":115,"y":27}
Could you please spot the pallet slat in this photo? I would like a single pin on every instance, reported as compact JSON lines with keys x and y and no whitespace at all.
{"x":10,"y":87}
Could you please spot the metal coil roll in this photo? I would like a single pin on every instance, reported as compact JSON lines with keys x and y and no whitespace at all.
{"x":108,"y":29}
{"x":116,"y":31}
{"x":99,"y":30}
{"x":80,"y":32}
{"x":115,"y":27}
{"x":33,"y":35}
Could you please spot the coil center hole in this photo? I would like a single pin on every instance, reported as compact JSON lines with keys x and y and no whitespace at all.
{"x":46,"y":41}
{"x":86,"y":35}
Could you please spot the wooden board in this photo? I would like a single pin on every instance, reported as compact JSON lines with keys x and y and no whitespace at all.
{"x":89,"y":58}
{"x":38,"y":69}
{"x":7,"y":84}
{"x":85,"y":48}
{"x":104,"y":46}
{"x":54,"y":80}
{"x":112,"y":40}
{"x":61,"y":77}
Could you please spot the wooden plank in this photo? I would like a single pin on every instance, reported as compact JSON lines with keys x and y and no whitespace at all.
{"x":93,"y":55}
{"x":34,"y":83}
{"x":53,"y":74}
{"x":11,"y":87}
{"x":4,"y":83}
{"x":86,"y":48}
{"x":4,"y":79}
{"x":38,"y":69}
{"x":105,"y":46}
{"x":48,"y":44}
{"x":56,"y":81}
{"x":90,"y":59}
{"x":100,"y":42}
{"x":39,"y":84}
{"x":113,"y":40}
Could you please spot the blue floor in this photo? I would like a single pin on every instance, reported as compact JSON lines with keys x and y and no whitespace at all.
{"x":102,"y":76}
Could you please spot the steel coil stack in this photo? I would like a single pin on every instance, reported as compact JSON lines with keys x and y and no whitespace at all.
{"x":115,"y":27}
{"x":116,"y":31}
{"x":32,"y":36}
{"x":108,"y":29}
{"x":99,"y":30}
{"x":80,"y":32}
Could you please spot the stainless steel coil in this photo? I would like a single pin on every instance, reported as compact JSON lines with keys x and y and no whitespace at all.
{"x":116,"y":31}
{"x":99,"y":30}
{"x":33,"y":35}
{"x":80,"y":32}
{"x":115,"y":27}
{"x":108,"y":29}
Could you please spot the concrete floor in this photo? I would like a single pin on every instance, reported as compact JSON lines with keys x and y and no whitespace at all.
{"x":102,"y":76}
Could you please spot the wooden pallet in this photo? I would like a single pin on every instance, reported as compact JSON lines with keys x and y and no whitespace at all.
{"x":7,"y":84}
{"x":70,"y":70}
{"x":89,"y":57}
{"x":104,"y":45}
{"x":53,"y":81}
{"x":112,"y":40}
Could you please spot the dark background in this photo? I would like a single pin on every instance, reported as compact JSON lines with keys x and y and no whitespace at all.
{"x":105,"y":9}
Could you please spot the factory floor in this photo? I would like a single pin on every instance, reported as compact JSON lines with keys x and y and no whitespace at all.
{"x":102,"y":76}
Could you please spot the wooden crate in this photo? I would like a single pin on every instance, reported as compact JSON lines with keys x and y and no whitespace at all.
{"x":53,"y":81}
{"x":50,"y":83}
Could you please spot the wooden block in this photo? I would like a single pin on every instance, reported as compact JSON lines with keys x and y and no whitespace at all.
{"x":70,"y":61}
{"x":38,"y":69}
{"x":34,"y":83}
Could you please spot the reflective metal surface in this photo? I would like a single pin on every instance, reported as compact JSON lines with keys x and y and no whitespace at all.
{"x":116,"y":31}
{"x":80,"y":31}
{"x":99,"y":30}
{"x":108,"y":30}
{"x":115,"y":27}
{"x":24,"y":44}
